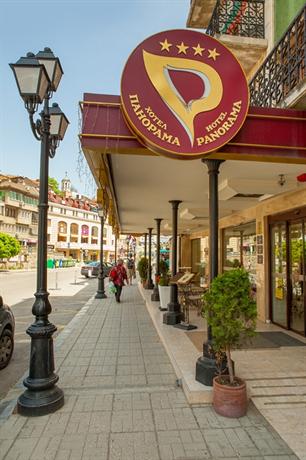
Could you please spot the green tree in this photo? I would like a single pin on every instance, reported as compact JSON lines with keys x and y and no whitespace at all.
{"x":9,"y":246}
{"x":54,"y":185}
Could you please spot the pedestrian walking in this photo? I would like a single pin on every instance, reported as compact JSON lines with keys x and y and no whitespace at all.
{"x":131,"y":269}
{"x":118,"y":275}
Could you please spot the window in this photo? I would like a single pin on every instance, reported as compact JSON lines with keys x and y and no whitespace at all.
{"x":84,"y":234}
{"x":35,"y":219}
{"x":94,"y":235}
{"x":62,"y":231}
{"x":74,"y":233}
{"x":10,"y":212}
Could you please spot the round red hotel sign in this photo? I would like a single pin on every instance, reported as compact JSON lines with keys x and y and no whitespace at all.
{"x":183,"y":94}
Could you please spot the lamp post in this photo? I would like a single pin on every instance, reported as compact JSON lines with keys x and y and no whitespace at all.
{"x":101,"y":289}
{"x":37,"y":78}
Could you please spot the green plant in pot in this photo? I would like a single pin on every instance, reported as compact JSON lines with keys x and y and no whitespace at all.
{"x":142,"y":268}
{"x":164,"y":287}
{"x":231,"y":312}
{"x":164,"y":280}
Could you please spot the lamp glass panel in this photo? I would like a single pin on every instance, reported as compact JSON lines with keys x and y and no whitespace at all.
{"x":57,"y":76}
{"x":63,"y":127}
{"x":28,"y":78}
{"x":49,"y":66}
{"x":44,"y":84}
{"x":55,"y":124}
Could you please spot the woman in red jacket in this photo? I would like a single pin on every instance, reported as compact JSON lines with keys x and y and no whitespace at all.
{"x":118,"y":276}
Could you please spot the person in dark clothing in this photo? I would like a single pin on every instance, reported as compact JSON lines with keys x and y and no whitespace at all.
{"x":118,"y":276}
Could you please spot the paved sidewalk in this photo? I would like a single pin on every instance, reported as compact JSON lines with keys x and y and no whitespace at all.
{"x":122,"y":402}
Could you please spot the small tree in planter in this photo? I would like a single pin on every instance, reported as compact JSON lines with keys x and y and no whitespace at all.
{"x":231,"y":312}
{"x":142,"y":268}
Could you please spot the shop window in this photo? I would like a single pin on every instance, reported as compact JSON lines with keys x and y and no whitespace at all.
{"x":239,"y":247}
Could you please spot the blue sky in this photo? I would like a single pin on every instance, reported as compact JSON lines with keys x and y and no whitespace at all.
{"x":93,"y":40}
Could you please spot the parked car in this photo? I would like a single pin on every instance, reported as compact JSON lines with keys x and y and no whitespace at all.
{"x":92,"y":269}
{"x":7,"y":328}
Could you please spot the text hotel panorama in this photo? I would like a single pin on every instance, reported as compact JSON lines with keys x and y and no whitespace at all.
{"x":158,"y":128}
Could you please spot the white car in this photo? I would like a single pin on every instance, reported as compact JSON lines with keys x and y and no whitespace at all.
{"x":7,"y":328}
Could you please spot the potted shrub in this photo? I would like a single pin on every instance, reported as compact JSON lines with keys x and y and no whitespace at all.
{"x":231,"y":312}
{"x":164,"y":290}
{"x":142,"y":268}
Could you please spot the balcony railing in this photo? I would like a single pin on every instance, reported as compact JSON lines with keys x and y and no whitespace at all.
{"x":244,"y":18}
{"x":283,"y":69}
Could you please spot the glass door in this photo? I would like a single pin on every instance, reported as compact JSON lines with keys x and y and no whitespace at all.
{"x":279,"y":274}
{"x":297,"y":276}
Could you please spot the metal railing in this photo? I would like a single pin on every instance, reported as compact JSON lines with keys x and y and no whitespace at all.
{"x":244,"y":18}
{"x":284,"y":67}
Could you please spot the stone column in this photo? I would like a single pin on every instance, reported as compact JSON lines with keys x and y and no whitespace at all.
{"x":155,"y":294}
{"x":149,"y":284}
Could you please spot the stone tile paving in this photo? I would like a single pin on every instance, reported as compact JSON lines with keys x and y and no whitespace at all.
{"x":121,"y":402}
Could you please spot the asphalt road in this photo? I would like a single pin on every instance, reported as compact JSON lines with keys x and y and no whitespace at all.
{"x":68,"y":293}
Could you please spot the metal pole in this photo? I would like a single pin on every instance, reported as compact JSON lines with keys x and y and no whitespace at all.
{"x":173,"y":315}
{"x":180,"y":252}
{"x":155,"y":294}
{"x":149,"y":284}
{"x":42,"y":395}
{"x":206,"y":367}
{"x":115,"y":249}
{"x":241,"y":248}
{"x":101,"y":290}
{"x":145,"y":245}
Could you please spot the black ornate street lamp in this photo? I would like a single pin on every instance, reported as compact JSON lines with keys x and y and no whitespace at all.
{"x":37,"y":78}
{"x":101,"y":289}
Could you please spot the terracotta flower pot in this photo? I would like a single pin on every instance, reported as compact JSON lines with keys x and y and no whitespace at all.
{"x":229,"y":401}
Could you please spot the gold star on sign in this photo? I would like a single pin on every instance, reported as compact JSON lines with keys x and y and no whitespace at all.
{"x":213,"y":54}
{"x":198,"y":50}
{"x":165,"y":45}
{"x":182,"y":48}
